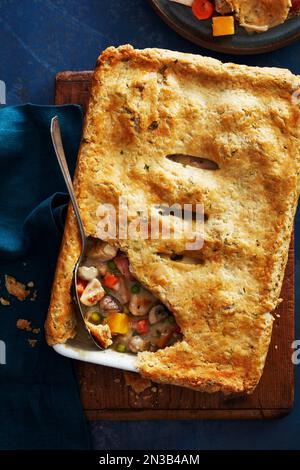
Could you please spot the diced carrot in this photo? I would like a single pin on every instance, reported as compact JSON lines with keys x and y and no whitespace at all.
{"x":110,"y":280}
{"x":93,"y":299}
{"x":118,"y":323}
{"x":223,"y":25}
{"x":202,"y":9}
{"x":80,"y":286}
{"x":142,"y":327}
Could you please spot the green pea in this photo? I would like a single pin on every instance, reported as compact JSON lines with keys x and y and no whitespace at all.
{"x":111,"y":265}
{"x":121,"y":348}
{"x":135,"y":289}
{"x":95,"y":317}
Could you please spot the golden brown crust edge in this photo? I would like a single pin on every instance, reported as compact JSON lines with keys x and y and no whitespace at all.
{"x":61,"y":322}
{"x":210,"y":378}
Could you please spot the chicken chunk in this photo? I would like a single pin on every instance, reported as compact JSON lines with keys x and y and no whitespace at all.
{"x":101,"y":251}
{"x":93,"y":293}
{"x":140,"y":303}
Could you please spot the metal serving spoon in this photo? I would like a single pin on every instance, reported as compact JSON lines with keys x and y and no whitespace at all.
{"x":60,"y":154}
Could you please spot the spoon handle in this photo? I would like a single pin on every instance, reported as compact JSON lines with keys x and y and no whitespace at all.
{"x":59,"y":151}
{"x":60,"y":154}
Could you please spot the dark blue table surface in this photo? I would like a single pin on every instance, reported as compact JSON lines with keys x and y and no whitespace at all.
{"x":39,"y":38}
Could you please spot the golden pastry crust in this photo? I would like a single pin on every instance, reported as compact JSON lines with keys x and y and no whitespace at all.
{"x":144,"y":106}
{"x":61,"y":321}
{"x":101,"y":333}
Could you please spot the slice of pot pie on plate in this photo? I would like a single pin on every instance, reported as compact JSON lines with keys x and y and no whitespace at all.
{"x":257,"y":15}
{"x":166,"y":128}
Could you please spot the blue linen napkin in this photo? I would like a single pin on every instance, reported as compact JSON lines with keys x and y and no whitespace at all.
{"x":39,"y":398}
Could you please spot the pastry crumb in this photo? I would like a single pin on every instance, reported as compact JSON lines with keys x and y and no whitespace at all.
{"x":4,"y":302}
{"x":30,"y":284}
{"x":154,"y":389}
{"x":16,"y":288}
{"x":34,"y":296}
{"x":32,"y":342}
{"x":23,"y":324}
{"x":136,"y":382}
{"x":117,"y":381}
{"x":36,"y":331}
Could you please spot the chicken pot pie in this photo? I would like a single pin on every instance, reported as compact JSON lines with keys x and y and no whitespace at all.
{"x":152,"y":114}
{"x":257,"y":15}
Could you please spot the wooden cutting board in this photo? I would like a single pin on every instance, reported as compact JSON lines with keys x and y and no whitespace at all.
{"x":105,"y":394}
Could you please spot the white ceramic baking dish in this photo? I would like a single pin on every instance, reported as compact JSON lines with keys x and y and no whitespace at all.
{"x":82,"y":349}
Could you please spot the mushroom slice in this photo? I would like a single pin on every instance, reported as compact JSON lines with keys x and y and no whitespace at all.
{"x":157,"y":314}
{"x":109,"y":303}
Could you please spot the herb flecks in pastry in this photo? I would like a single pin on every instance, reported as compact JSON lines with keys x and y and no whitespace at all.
{"x":242,"y":118}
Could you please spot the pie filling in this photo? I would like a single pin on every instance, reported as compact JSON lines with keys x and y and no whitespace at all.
{"x":110,"y":295}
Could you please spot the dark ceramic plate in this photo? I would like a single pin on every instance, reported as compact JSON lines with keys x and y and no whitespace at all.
{"x":181,"y":19}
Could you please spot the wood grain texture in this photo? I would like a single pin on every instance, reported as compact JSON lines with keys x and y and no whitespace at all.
{"x":104,"y":393}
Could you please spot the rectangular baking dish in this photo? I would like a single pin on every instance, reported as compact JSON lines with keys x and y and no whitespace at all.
{"x":82,"y":349}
